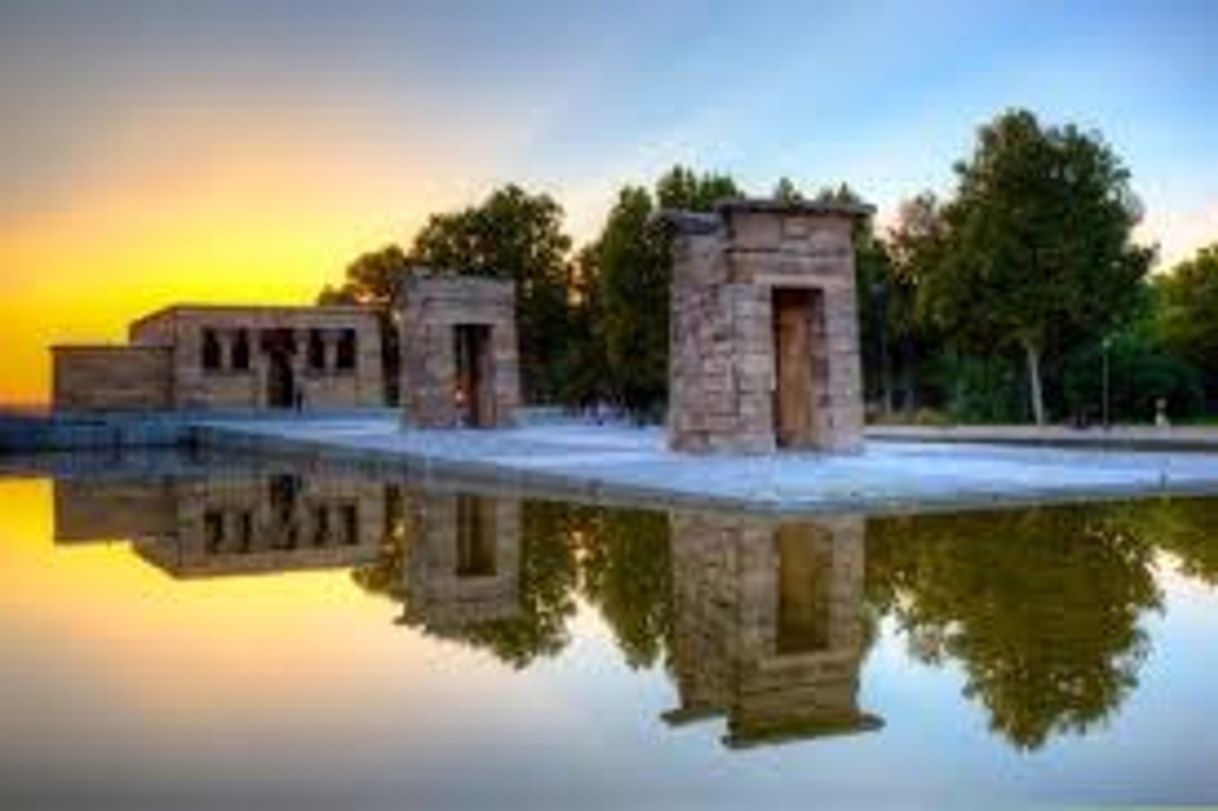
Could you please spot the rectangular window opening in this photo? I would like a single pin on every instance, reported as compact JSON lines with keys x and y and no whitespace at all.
{"x":240,"y":355}
{"x":345,"y":360}
{"x":212,"y":360}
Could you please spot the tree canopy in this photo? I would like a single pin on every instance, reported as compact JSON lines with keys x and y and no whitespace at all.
{"x":1039,"y":250}
{"x":371,"y":279}
{"x":513,"y":235}
{"x":1187,"y":315}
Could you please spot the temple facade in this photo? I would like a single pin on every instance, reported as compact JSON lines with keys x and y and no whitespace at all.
{"x":201,"y":357}
{"x":768,"y":625}
{"x":460,"y":360}
{"x":764,"y":345}
{"x":229,"y":523}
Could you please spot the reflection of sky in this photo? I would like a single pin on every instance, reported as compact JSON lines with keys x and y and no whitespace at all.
{"x":300,"y":685}
{"x":154,"y":152}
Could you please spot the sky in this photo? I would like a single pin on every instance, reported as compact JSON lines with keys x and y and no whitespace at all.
{"x":159,"y":152}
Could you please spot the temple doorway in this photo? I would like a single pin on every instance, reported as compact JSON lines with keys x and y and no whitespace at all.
{"x":474,"y":396}
{"x":279,"y":345}
{"x":805,"y":567}
{"x":798,"y":314}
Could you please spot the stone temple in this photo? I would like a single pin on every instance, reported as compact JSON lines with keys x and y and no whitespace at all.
{"x":460,"y":361}
{"x":764,"y":334}
{"x":206,"y":357}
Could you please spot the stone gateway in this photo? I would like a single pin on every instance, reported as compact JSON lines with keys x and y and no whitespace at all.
{"x":460,"y":361}
{"x":764,"y":347}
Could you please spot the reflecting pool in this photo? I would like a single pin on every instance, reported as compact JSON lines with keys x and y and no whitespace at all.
{"x":180,"y":631}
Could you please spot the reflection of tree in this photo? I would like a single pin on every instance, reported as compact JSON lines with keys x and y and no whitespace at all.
{"x":386,"y":575}
{"x":1040,"y":607}
{"x":547,"y":579}
{"x":1187,"y":528}
{"x":627,"y":574}
{"x":547,"y":584}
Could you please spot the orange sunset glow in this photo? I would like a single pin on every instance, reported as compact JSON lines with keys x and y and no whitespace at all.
{"x":155,"y":154}
{"x":248,"y":219}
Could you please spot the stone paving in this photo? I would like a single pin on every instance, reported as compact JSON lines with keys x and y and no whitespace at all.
{"x":628,"y":464}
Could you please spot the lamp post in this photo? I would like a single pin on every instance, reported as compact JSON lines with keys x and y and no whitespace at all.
{"x":1106,"y":344}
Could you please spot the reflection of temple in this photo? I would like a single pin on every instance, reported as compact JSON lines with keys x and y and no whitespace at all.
{"x":230,"y":524}
{"x":768,"y":628}
{"x":463,"y":559}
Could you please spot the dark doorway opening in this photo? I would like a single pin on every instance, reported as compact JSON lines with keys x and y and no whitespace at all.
{"x":473,"y":394}
{"x":797,"y":338}
{"x":475,"y":536}
{"x":279,"y":345}
{"x":805,"y":569}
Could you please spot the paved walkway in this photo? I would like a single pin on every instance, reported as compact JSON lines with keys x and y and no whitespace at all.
{"x":1141,"y":437}
{"x":631,"y":465}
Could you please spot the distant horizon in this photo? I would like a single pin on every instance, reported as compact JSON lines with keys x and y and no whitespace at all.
{"x":238,"y":153}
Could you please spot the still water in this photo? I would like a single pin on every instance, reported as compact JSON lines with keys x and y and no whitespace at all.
{"x":176,"y":633}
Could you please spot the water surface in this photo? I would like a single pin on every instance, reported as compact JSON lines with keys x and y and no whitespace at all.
{"x":176,"y":632}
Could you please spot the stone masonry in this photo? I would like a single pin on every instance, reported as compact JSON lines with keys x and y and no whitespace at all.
{"x":231,"y":523}
{"x":764,"y":348}
{"x":213,"y":357}
{"x":434,"y":312}
{"x":111,"y":378}
{"x":769,"y":625}
{"x":463,"y":561}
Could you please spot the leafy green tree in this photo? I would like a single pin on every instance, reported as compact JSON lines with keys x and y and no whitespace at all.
{"x":1187,"y":312}
{"x":372,"y":280}
{"x":1039,"y":254}
{"x":1139,"y":373}
{"x":627,"y":574}
{"x":633,"y":265}
{"x":914,"y":246}
{"x":786,"y":191}
{"x":583,"y":375}
{"x":682,"y":188}
{"x":548,"y":580}
{"x":1040,"y":608}
{"x":1182,"y":527}
{"x":519,"y":236}
{"x":635,"y":275}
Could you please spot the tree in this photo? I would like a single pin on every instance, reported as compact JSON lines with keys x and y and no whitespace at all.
{"x":372,"y":280}
{"x":584,"y":372}
{"x":682,"y":188}
{"x":545,"y":600}
{"x":635,"y":274}
{"x":1187,"y":313}
{"x":786,"y":191}
{"x":626,"y":572}
{"x":633,"y":264}
{"x":1039,"y":254}
{"x":518,"y":236}
{"x":1041,"y":608}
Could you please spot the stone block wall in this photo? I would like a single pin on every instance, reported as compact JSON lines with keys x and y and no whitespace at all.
{"x":89,"y":510}
{"x":431,"y":308}
{"x":111,"y":378}
{"x":722,"y":368}
{"x":195,"y":387}
{"x":734,"y":578}
{"x":267,"y":522}
{"x":464,"y":559}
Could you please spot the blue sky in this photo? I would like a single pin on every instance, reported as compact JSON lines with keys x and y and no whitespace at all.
{"x":579,"y":97}
{"x":248,"y":150}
